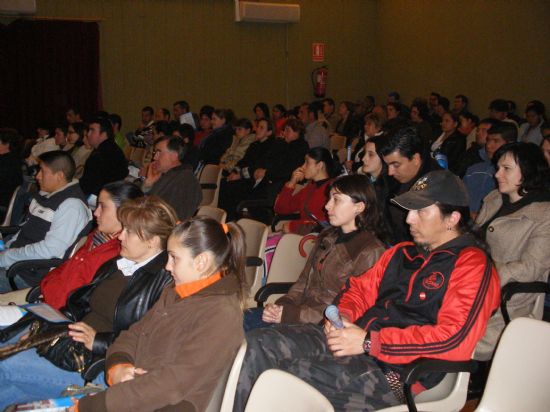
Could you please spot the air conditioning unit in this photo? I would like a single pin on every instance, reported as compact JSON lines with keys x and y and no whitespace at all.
{"x":253,"y":11}
{"x":17,"y":7}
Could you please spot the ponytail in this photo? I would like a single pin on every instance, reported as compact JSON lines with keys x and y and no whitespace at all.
{"x":226,"y":242}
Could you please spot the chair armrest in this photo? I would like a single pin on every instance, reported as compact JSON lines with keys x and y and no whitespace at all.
{"x":34,"y":295}
{"x":412,"y":372}
{"x":96,"y":366}
{"x":278,"y":218}
{"x":271,"y":289}
{"x":254,"y":261}
{"x":510,"y":289}
{"x":209,"y":186}
{"x":32,"y":264}
{"x":9,"y":230}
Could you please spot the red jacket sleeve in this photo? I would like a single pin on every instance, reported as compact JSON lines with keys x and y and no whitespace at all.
{"x":362,"y":290}
{"x":288,"y":203}
{"x":472,"y":295}
{"x":76,"y":272}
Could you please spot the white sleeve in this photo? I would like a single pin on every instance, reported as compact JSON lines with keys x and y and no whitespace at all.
{"x":68,"y":221}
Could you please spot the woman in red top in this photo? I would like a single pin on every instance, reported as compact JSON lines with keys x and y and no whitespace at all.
{"x":102,"y":244}
{"x":318,"y":169}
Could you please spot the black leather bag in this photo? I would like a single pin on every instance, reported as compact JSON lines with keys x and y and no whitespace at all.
{"x":64,"y":352}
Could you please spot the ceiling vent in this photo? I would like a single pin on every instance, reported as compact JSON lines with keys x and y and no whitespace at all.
{"x":252,"y":11}
{"x":17,"y":7}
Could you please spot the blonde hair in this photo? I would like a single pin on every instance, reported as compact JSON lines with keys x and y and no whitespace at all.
{"x":148,"y":217}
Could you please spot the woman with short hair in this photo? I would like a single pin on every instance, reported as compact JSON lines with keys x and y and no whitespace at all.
{"x":514,"y":220}
{"x":122,"y":291}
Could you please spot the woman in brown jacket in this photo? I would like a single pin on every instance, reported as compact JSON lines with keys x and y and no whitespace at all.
{"x":349,"y":248}
{"x":173,"y":358}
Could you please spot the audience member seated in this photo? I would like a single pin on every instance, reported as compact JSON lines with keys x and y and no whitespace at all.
{"x":79,"y":150}
{"x":241,"y":140}
{"x":546,"y":146}
{"x":73,"y":115}
{"x":162,"y":114}
{"x":180,"y":109}
{"x":11,"y":174}
{"x":472,"y":155}
{"x":205,"y":124}
{"x":429,"y":299}
{"x":58,"y":215}
{"x":372,"y":128}
{"x":460,"y":105}
{"x":106,"y":163}
{"x":420,"y":118}
{"x":186,"y":132}
{"x":318,"y":169}
{"x":169,"y":178}
{"x":377,"y":171}
{"x":530,"y":131}
{"x":498,"y":109}
{"x":143,"y":135}
{"x":101,"y":245}
{"x":116,"y":122}
{"x":121,"y":293}
{"x":174,"y":357}
{"x":479,"y":178}
{"x":316,"y":129}
{"x":267,"y":164}
{"x":279,"y":117}
{"x":436,"y":104}
{"x":348,"y":248}
{"x":261,"y":111}
{"x":47,"y":145}
{"x":347,"y":125}
{"x":213,"y":146}
{"x":514,"y":220}
{"x":395,"y":115}
{"x":451,"y":143}
{"x":329,"y":112}
{"x":467,"y":125}
{"x":407,"y":162}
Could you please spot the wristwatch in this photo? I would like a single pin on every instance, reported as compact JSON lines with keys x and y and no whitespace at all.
{"x":367,"y":344}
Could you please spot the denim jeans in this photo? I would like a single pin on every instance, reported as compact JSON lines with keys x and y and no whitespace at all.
{"x":5,"y":283}
{"x":27,"y":377}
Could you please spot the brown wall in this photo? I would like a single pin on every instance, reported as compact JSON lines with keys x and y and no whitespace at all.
{"x":481,"y":48}
{"x":158,"y":51}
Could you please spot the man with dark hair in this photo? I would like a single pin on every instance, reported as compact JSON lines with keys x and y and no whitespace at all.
{"x":479,"y":178}
{"x":498,"y":109}
{"x":106,"y":162}
{"x":394,"y":97}
{"x":73,"y":115}
{"x":57,"y":216}
{"x":116,"y":122}
{"x":169,"y":178}
{"x":427,"y":299}
{"x":407,"y":160}
{"x":530,"y":131}
{"x":433,"y":100}
{"x":180,"y":107}
{"x":460,"y":104}
{"x":316,"y":129}
{"x":162,"y":114}
{"x":329,"y":112}
{"x":476,"y":150}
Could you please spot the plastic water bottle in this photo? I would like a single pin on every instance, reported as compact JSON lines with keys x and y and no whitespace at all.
{"x":2,"y":246}
{"x":333,"y":315}
{"x":441,"y":159}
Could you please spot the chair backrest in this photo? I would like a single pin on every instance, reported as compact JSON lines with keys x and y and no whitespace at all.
{"x":337,"y":142}
{"x":215,"y":213}
{"x":342,"y":154}
{"x":209,"y":179}
{"x":276,"y":391}
{"x":520,"y":372}
{"x":9,"y":211}
{"x":224,"y":395}
{"x":289,"y":259}
{"x":255,"y":234}
{"x":449,"y":395}
{"x":78,"y":245}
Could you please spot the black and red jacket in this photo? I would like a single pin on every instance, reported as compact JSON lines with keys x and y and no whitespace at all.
{"x":416,"y":304}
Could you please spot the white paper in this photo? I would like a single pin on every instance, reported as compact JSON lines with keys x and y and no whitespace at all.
{"x":188,"y":118}
{"x":9,"y":314}
{"x":46,"y":312}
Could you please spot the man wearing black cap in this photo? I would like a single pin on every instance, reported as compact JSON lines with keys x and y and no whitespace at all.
{"x":429,"y":298}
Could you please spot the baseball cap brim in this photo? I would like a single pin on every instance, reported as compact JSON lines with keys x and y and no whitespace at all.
{"x":412,"y":201}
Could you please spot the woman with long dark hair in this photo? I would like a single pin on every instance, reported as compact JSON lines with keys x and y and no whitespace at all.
{"x":514,"y":220}
{"x":318,"y":169}
{"x":349,"y":247}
